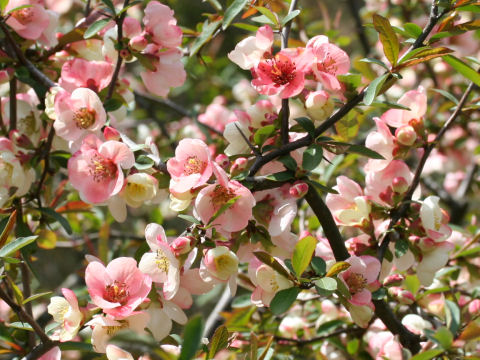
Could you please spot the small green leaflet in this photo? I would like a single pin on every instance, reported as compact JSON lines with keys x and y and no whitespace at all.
{"x":312,"y":156}
{"x":219,"y":341}
{"x":388,"y":38}
{"x":302,"y":254}
{"x":207,"y":32}
{"x":283,"y":300}
{"x":374,"y":88}
{"x":233,"y":10}
{"x":16,"y":245}
{"x":192,"y":336}
{"x":95,"y":28}
{"x":462,"y":68}
{"x":223,"y":208}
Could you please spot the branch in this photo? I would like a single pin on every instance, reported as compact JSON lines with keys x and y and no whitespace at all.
{"x":355,"y":11}
{"x":301,"y":342}
{"x":13,"y":104}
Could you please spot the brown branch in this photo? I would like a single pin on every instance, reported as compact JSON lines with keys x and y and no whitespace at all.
{"x":352,"y":330}
{"x":13,"y":104}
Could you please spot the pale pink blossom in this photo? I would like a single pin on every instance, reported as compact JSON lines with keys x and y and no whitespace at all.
{"x":236,"y":132}
{"x":416,"y":324}
{"x":160,"y":264}
{"x":361,"y":314}
{"x":49,"y":35}
{"x":59,"y":6}
{"x":248,"y":52}
{"x":191,"y":167}
{"x":95,"y":75}
{"x":119,"y":288}
{"x":220,"y":265}
{"x":115,"y":353}
{"x":29,"y":22}
{"x":217,"y":115}
{"x":96,"y":169}
{"x":161,"y":316}
{"x":434,"y":257}
{"x":383,"y":142}
{"x":328,"y":62}
{"x":434,"y":219}
{"x":383,"y":345}
{"x":78,"y":113}
{"x":161,"y":25}
{"x":361,"y":278}
{"x":319,"y":105}
{"x":416,"y":101}
{"x":65,"y":311}
{"x":212,"y":197}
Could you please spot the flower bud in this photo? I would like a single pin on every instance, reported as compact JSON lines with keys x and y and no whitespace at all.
{"x":239,"y":165}
{"x":394,"y":279}
{"x":406,"y":135}
{"x":399,"y":185}
{"x":182,"y":245}
{"x":298,"y":190}
{"x":319,"y":105}
{"x":138,"y":43}
{"x":20,"y":140}
{"x":474,"y":307}
{"x":404,"y":297}
{"x":111,"y":133}
{"x":6,"y":75}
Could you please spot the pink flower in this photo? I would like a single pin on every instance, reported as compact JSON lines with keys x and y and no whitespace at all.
{"x":161,"y":25}
{"x":168,"y":72}
{"x":383,"y":142}
{"x":220,"y":264}
{"x":248,"y":52}
{"x":78,"y":113}
{"x":191,"y":167}
{"x":95,"y":75}
{"x":435,"y":219}
{"x":65,"y":311}
{"x":96,"y":169}
{"x":212,"y":197}
{"x":416,"y":101}
{"x":383,"y":345}
{"x":360,"y":278}
{"x":118,"y":288}
{"x":329,"y":61}
{"x":217,"y":115}
{"x":29,"y":22}
{"x":283,"y":74}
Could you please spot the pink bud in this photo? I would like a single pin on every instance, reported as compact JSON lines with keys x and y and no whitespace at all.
{"x":399,"y":185}
{"x":319,"y":105}
{"x":474,"y":307}
{"x":20,"y":140}
{"x":394,"y":279}
{"x":239,"y":165}
{"x":182,"y":245}
{"x":111,"y":133}
{"x":6,"y":75}
{"x":138,"y":43}
{"x":222,"y":160}
{"x":298,"y":190}
{"x":406,"y":135}
{"x":404,"y":297}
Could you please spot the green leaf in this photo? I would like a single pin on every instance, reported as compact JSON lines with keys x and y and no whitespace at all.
{"x":443,"y":337}
{"x":307,"y":124}
{"x":223,"y":208}
{"x":262,"y":134}
{"x":348,"y":126}
{"x":413,"y":30}
{"x":232,"y":11}
{"x":363,"y":150}
{"x":462,"y":68}
{"x":144,"y":162}
{"x":375,"y":61}
{"x":112,"y":104}
{"x":447,"y":95}
{"x":319,"y":265}
{"x":327,"y":284}
{"x":379,"y":294}
{"x":189,"y":218}
{"x":312,"y":156}
{"x":16,"y":245}
{"x":337,"y":268}
{"x":388,"y":38}
{"x":244,"y":26}
{"x":36,"y":296}
{"x":374,"y":88}
{"x":289,"y":17}
{"x":328,"y":327}
{"x":427,"y":355}
{"x":76,"y":345}
{"x":352,"y":346}
{"x":192,"y":336}
{"x":207,"y":32}
{"x":219,"y":341}
{"x":19,"y":8}
{"x":133,"y":3}
{"x":3,"y":4}
{"x":401,"y":247}
{"x":283,"y":299}
{"x":452,"y":315}
{"x":281,"y":176}
{"x":262,"y":19}
{"x":269,"y":260}
{"x":241,"y":301}
{"x":110,"y":5}
{"x":56,"y":216}
{"x":302,"y":254}
{"x":95,"y":28}
{"x":21,"y":326}
{"x":289,"y":162}
{"x":266,"y":12}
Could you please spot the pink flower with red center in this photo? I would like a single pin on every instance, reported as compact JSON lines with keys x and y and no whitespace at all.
{"x":283,"y":74}
{"x":328,"y":62}
{"x":161,"y":25}
{"x":212,"y":197}
{"x":361,"y":278}
{"x":77,"y":113}
{"x":96,"y":169}
{"x":28,"y":22}
{"x":416,"y":101}
{"x":119,"y":288}
{"x":191,"y":167}
{"x":95,"y":75}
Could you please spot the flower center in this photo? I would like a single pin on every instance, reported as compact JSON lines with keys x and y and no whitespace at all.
{"x":117,"y":292}
{"x":6,"y":172}
{"x":162,"y":261}
{"x":282,"y":70}
{"x":102,"y":169}
{"x":24,"y":15}
{"x":84,"y":117}
{"x":194,"y":166}
{"x":356,"y":283}
{"x":221,"y":195}
{"x":328,"y":65}
{"x":113,"y":329}
{"x":26,"y":125}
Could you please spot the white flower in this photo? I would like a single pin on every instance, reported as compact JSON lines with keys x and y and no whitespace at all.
{"x":233,"y":134}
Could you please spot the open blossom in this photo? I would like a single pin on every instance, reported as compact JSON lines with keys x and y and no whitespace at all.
{"x":328,"y":61}
{"x":212,"y":197}
{"x":349,"y":207}
{"x":248,"y":52}
{"x":237,"y":133}
{"x":191,"y":167}
{"x":361,"y":278}
{"x":29,"y":22}
{"x":217,"y":115}
{"x":78,"y":72}
{"x":434,"y":219}
{"x":161,"y":25}
{"x":115,"y":353}
{"x":96,"y":169}
{"x":65,"y":311}
{"x":220,"y":265}
{"x":282,"y":74}
{"x":78,"y":113}
{"x":383,"y":142}
{"x":416,"y":101}
{"x":434,"y":257}
{"x":161,"y":316}
{"x":383,"y":345}
{"x":160,"y":264}
{"x":119,"y":287}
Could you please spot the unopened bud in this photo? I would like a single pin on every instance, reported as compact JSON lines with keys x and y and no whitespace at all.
{"x":239,"y":165}
{"x":319,"y":105}
{"x":138,"y":43}
{"x":394,"y":279}
{"x":111,"y":133}
{"x":399,"y":185}
{"x":406,"y":135}
{"x":182,"y":245}
{"x":20,"y":140}
{"x":298,"y":190}
{"x":474,"y":307}
{"x":222,"y":160}
{"x":403,"y":296}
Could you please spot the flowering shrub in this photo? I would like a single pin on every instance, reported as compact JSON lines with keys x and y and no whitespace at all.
{"x":239,"y":179}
